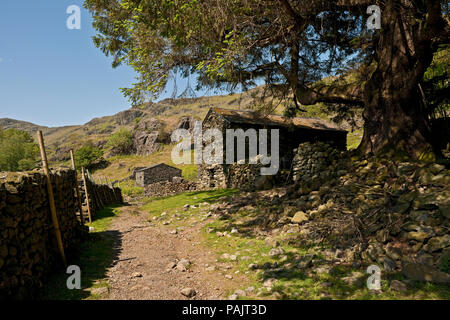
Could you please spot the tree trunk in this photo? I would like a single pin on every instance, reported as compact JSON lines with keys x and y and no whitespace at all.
{"x":395,"y":115}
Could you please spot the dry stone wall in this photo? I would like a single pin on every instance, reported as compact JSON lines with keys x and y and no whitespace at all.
{"x":313,"y":159}
{"x":28,"y":249}
{"x":99,"y":196}
{"x":157,"y":173}
{"x":165,"y":188}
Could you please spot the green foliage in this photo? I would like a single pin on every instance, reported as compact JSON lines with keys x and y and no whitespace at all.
{"x":130,"y":189}
{"x":121,"y":141}
{"x":227,"y":43}
{"x":87,"y":155}
{"x":436,"y":83}
{"x":18,"y":151}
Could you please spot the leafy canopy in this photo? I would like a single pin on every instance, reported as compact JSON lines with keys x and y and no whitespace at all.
{"x":226,"y":43}
{"x":18,"y":151}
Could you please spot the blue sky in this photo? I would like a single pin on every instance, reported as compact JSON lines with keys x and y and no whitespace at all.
{"x":53,"y":76}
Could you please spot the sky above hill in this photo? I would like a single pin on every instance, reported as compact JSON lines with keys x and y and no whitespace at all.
{"x":51,"y":75}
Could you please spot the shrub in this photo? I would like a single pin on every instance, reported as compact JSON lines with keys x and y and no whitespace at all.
{"x":87,"y":155}
{"x":121,"y":142}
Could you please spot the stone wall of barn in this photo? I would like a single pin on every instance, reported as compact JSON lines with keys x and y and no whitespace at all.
{"x":155,"y":174}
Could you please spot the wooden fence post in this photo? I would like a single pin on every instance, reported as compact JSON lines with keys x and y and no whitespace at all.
{"x":87,"y":194}
{"x":77,"y":188}
{"x":51,"y":198}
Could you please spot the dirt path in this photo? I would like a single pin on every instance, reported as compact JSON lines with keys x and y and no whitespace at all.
{"x":145,"y":252}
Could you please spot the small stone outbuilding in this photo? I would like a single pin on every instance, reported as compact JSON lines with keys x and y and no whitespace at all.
{"x":293,"y":132}
{"x":157,"y":173}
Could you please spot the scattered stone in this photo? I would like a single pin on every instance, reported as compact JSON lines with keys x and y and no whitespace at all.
{"x":250,"y":289}
{"x":421,"y":272}
{"x":225,"y":256}
{"x":299,"y":217}
{"x":268,"y":283}
{"x":356,"y":279}
{"x":398,"y":286}
{"x":271,"y":242}
{"x":253,"y":266}
{"x":183,"y":265}
{"x":240,"y":293}
{"x":438,"y":243}
{"x":277,"y":296}
{"x":233,"y":297}
{"x":229,"y":276}
{"x":276,"y":252}
{"x":389,"y":265}
{"x":188,"y":292}
{"x":136,"y":275}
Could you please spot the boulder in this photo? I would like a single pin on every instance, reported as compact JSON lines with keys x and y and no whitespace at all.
{"x":422,"y":272}
{"x":299,"y":217}
{"x":188,"y":292}
{"x":398,"y":286}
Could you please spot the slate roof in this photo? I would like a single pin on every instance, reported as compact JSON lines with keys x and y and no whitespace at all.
{"x":250,"y":117}
{"x":156,"y":165}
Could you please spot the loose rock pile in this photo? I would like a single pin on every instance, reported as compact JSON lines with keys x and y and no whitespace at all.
{"x":387,"y":212}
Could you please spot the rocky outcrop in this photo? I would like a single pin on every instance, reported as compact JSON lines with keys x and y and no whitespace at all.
{"x":146,"y":143}
{"x":128,"y":116}
{"x":149,"y":125}
{"x":186,"y":123}
{"x":148,"y":137}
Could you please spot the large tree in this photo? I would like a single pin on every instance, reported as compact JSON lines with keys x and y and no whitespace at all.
{"x":311,"y":51}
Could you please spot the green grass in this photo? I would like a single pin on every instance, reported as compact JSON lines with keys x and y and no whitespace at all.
{"x":189,"y":172}
{"x":171,"y":204}
{"x":94,"y":258}
{"x":130,"y":189}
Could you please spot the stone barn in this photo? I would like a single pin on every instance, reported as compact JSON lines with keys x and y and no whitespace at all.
{"x":293,"y":131}
{"x":157,"y":173}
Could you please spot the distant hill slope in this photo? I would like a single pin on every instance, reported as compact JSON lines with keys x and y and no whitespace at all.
{"x":6,"y":123}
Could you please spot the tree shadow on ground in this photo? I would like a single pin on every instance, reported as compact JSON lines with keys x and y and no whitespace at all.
{"x":94,"y":256}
